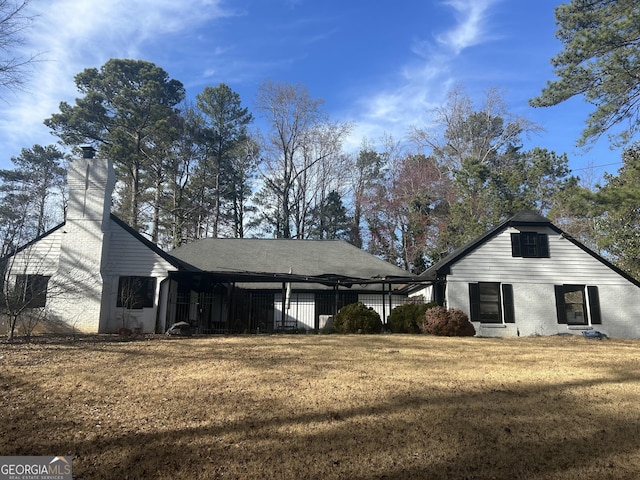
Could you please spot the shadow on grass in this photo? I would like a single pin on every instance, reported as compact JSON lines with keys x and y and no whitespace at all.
{"x":524,"y":431}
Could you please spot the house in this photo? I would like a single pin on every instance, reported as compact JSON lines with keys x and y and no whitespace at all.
{"x":528,"y":277}
{"x":95,"y":274}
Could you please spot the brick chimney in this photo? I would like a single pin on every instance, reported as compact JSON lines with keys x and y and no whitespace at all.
{"x":85,"y":240}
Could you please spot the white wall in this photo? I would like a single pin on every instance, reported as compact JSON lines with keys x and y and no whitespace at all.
{"x":130,"y":257}
{"x":82,"y":249}
{"x":302,"y":308}
{"x":533,"y":281}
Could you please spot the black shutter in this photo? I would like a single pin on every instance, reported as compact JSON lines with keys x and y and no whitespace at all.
{"x":515,"y":245}
{"x":507,"y":301}
{"x":474,"y":298}
{"x":560,"y":308}
{"x":543,"y":245}
{"x":594,"y":306}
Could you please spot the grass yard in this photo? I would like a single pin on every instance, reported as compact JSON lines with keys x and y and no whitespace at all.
{"x":323,"y":407}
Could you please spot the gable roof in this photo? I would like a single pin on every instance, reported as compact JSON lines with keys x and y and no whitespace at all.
{"x":525,"y":218}
{"x":32,"y":242}
{"x":137,"y":235}
{"x":310,"y":258}
{"x":152,"y":246}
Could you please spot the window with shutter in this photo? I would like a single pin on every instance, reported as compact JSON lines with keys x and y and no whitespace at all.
{"x":578,"y":305}
{"x":489,"y":300}
{"x":507,"y":303}
{"x":530,"y":245}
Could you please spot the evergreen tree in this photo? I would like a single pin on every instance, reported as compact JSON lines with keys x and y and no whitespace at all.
{"x":127,"y":109}
{"x":619,"y":208}
{"x":225,"y":137}
{"x":32,"y":195}
{"x":599,"y":61}
{"x":330,"y":219}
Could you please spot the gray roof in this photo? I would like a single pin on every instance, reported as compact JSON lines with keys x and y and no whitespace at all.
{"x":524,"y":218}
{"x":301,"y":257}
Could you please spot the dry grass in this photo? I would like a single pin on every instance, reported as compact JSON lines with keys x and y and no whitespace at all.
{"x":354,"y":407}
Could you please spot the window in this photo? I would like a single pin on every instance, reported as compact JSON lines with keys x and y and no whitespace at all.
{"x":136,"y":292}
{"x":491,"y":302}
{"x":530,"y":245}
{"x":577,"y":304}
{"x":32,"y":290}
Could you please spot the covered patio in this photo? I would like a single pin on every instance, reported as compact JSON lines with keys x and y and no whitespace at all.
{"x":266,"y":302}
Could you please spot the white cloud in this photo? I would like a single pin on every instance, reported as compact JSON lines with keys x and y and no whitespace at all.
{"x":72,"y":35}
{"x":470,"y":29}
{"x":426,"y":82}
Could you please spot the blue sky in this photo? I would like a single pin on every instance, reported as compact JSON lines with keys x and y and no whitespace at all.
{"x":382,"y":65}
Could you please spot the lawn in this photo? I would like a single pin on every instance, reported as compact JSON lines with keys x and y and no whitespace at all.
{"x":308,"y":406}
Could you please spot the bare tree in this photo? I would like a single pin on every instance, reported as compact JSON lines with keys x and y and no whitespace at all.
{"x":461,"y":131}
{"x":14,"y":20}
{"x":300,"y":137}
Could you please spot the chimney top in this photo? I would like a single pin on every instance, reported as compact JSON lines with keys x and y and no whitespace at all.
{"x":88,"y":152}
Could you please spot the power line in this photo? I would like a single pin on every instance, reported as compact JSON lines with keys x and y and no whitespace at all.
{"x":596,"y":166}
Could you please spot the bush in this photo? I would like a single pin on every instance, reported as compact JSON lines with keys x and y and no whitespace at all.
{"x":450,"y":323}
{"x":357,"y":318}
{"x":407,"y":318}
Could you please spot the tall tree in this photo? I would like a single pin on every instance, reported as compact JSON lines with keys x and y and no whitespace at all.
{"x":180,"y":204}
{"x":365,"y":174}
{"x":600,"y":62}
{"x":125,"y":109}
{"x":403,"y":212}
{"x":224,"y":135}
{"x":330,"y":219}
{"x":37,"y":177}
{"x":242,"y":174}
{"x":292,"y":151}
{"x":618,"y":202}
{"x":464,"y":131}
{"x":322,"y":172}
{"x":487,"y":194}
{"x":479,"y":149}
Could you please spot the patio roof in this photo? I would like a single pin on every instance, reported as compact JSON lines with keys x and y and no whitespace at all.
{"x":307,"y":263}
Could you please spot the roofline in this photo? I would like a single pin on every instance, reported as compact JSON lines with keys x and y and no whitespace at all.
{"x":603,"y":260}
{"x":179,"y":264}
{"x":32,"y":242}
{"x":500,"y":228}
{"x":471,"y":246}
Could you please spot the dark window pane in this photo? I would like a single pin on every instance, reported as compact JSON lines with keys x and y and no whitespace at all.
{"x":532,"y":245}
{"x":136,"y":292}
{"x":574,"y":303}
{"x":32,"y":290}
{"x":489,"y":295}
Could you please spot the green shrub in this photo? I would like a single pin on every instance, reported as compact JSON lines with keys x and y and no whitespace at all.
{"x":357,"y":318}
{"x":407,"y":318}
{"x":450,"y":323}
